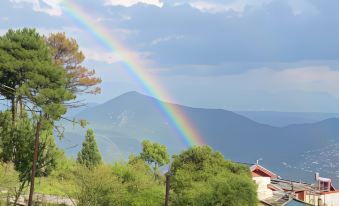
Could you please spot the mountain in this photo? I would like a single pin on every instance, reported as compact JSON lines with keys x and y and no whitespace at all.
{"x":123,"y":122}
{"x":281,"y":119}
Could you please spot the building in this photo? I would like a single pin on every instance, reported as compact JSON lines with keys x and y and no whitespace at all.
{"x":273,"y":190}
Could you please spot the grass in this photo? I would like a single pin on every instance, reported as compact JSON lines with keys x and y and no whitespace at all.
{"x":54,"y":186}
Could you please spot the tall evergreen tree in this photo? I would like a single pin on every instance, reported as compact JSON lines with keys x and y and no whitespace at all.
{"x":89,"y":155}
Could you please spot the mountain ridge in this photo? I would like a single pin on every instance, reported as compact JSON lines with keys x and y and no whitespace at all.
{"x":123,"y":122}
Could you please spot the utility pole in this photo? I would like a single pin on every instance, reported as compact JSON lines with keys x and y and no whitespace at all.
{"x":35,"y":160}
{"x":168,"y":187}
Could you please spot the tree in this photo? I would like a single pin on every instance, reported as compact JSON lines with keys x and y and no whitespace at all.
{"x":130,"y":184}
{"x":154,"y":154}
{"x":28,"y":74}
{"x":97,"y":187}
{"x":89,"y":155}
{"x":139,"y":184}
{"x":65,"y":52}
{"x":16,"y":143}
{"x":30,"y":77}
{"x":201,"y":176}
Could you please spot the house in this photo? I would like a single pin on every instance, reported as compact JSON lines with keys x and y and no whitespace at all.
{"x":328,"y":195}
{"x":262,"y":177}
{"x":274,"y":190}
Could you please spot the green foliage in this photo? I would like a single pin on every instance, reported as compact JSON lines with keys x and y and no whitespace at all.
{"x":17,"y":141}
{"x":141,"y":187}
{"x":89,"y":155}
{"x":97,"y":186}
{"x":61,"y":181}
{"x":202,"y":177}
{"x":26,"y":66}
{"x":9,"y":178}
{"x":123,"y":184}
{"x":154,"y":154}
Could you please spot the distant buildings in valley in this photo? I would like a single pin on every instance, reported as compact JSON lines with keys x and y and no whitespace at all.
{"x":274,"y":191}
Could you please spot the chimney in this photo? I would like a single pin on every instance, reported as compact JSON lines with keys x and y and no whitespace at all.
{"x":316,"y":176}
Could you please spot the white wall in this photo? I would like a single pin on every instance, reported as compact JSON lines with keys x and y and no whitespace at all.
{"x":331,"y":199}
{"x":263,"y":191}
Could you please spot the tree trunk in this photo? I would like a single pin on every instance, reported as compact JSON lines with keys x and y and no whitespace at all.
{"x":168,"y":187}
{"x":21,"y":105}
{"x":35,"y":160}
{"x":13,"y":109}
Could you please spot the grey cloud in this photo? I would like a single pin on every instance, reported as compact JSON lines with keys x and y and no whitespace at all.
{"x":272,"y":32}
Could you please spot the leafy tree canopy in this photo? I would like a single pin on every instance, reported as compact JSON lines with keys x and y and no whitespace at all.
{"x":201,"y":176}
{"x":154,"y":154}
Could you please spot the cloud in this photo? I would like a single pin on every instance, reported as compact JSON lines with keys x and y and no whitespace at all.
{"x":51,"y":7}
{"x":128,"y":3}
{"x":166,"y":39}
{"x":5,"y":18}
{"x":308,"y":79}
{"x":220,"y":6}
{"x":209,"y":7}
{"x":302,"y":6}
{"x":99,"y":55}
{"x":312,"y":88}
{"x":266,"y":31}
{"x":95,"y":55}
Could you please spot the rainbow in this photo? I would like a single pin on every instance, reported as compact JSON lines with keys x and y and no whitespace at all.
{"x":184,"y":128}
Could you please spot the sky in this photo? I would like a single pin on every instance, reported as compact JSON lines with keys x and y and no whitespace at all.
{"x":262,"y":55}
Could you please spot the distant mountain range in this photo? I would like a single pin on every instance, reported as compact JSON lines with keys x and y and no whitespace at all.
{"x":281,"y":119}
{"x":123,"y":122}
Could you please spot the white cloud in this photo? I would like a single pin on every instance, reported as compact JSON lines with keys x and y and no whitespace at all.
{"x":5,"y":18}
{"x":166,"y":39}
{"x":142,"y":58}
{"x":51,"y":7}
{"x":301,"y":7}
{"x":128,"y":3}
{"x":107,"y":57}
{"x":204,"y":6}
{"x":216,"y":7}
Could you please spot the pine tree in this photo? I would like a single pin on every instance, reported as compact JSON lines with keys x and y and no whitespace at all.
{"x":28,"y":74}
{"x":66,"y":52}
{"x":30,"y":79}
{"x":89,"y":155}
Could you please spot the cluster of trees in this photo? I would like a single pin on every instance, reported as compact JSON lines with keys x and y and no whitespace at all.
{"x":40,"y":78}
{"x":199,"y":176}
